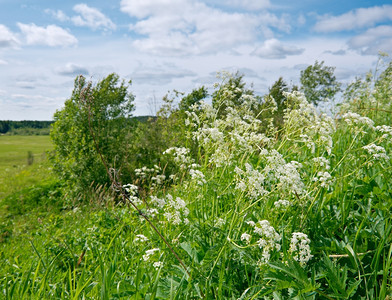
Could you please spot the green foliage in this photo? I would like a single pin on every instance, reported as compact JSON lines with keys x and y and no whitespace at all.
{"x":193,"y":98}
{"x":45,"y":194}
{"x":277,"y":92}
{"x":94,"y":117}
{"x":319,"y":83}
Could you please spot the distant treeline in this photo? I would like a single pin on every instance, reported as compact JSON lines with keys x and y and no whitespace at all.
{"x":37,"y":127}
{"x":25,"y":127}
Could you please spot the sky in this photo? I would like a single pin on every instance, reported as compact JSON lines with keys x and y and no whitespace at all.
{"x":162,"y":45}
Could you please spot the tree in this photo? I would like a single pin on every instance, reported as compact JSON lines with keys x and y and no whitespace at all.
{"x":319,"y":83}
{"x":94,"y":117}
{"x":276,"y":92}
{"x":192,"y":98}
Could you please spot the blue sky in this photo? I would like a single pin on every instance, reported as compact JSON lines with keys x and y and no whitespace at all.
{"x":177,"y":44}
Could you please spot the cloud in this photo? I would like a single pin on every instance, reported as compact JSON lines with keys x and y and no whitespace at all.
{"x":250,"y":5}
{"x":7,"y":38}
{"x":337,"y":52}
{"x":57,"y":14}
{"x":51,"y":35}
{"x":91,"y":17}
{"x":274,"y":49}
{"x":184,"y":27}
{"x":354,"y":19}
{"x":159,"y":75}
{"x":372,"y":41}
{"x":73,"y":70}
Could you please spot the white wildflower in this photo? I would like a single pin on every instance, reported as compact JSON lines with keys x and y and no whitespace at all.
{"x":180,"y":156}
{"x":321,"y":162}
{"x":131,"y":189}
{"x":175,"y":210}
{"x":251,"y":223}
{"x":251,"y":181}
{"x":377,"y":152}
{"x":141,"y":238}
{"x":246,"y":237}
{"x":157,"y":264}
{"x":354,"y":119}
{"x":269,"y":240}
{"x":149,"y":253}
{"x":198,"y":176}
{"x":160,"y":203}
{"x":324,"y":178}
{"x":282,"y":204}
{"x":299,"y":248}
{"x":220,"y":222}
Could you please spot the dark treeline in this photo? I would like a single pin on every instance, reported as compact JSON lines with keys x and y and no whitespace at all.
{"x":26,"y":127}
{"x":34,"y":127}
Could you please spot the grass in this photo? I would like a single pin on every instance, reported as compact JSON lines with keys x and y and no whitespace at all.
{"x":15,"y":173}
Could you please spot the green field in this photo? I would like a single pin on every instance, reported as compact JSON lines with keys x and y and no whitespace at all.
{"x":15,"y":173}
{"x":14,"y":149}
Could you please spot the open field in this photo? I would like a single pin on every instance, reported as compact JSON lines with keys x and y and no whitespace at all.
{"x":15,"y":172}
{"x":14,"y":149}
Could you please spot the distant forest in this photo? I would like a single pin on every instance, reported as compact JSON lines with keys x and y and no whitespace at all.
{"x":37,"y":127}
{"x":25,"y":127}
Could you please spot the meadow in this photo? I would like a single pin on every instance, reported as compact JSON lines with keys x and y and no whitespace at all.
{"x":234,"y":199}
{"x":15,"y":171}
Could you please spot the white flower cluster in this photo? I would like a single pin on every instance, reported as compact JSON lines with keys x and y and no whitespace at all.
{"x":158,"y":179}
{"x":198,"y":176}
{"x":377,"y":152}
{"x":387,"y":132}
{"x":269,"y":239}
{"x":302,"y":121}
{"x":180,"y":156}
{"x":324,"y":178}
{"x":250,"y":181}
{"x":149,"y":253}
{"x":175,"y":210}
{"x":289,"y":177}
{"x":131,"y":193}
{"x":299,"y":248}
{"x":321,"y":162}
{"x":246,"y":237}
{"x":144,"y":171}
{"x":286,"y":175}
{"x":157,"y":265}
{"x":141,"y":238}
{"x":219,"y":223}
{"x":354,"y":119}
{"x":282,"y":204}
{"x":208,"y":136}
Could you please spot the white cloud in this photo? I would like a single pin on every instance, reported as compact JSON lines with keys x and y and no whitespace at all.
{"x":159,"y":75}
{"x":247,"y":4}
{"x":274,"y":49}
{"x":91,"y":17}
{"x":51,"y":35}
{"x":183,"y":27}
{"x":73,"y":70}
{"x":373,"y":40}
{"x":57,"y":14}
{"x":7,"y":38}
{"x":354,"y":19}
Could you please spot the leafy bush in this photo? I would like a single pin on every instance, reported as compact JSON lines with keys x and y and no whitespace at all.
{"x":95,"y":117}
